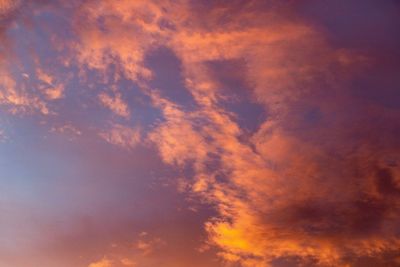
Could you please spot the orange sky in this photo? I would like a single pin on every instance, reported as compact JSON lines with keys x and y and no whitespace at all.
{"x":184,"y":133}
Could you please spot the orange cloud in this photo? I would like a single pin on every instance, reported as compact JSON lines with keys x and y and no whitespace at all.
{"x":98,"y":48}
{"x":271,"y":190}
{"x":8,"y":6}
{"x":19,"y":99}
{"x":147,"y":245}
{"x":178,"y":141}
{"x":116,"y":104}
{"x":315,"y":181}
{"x":102,"y":263}
{"x":51,"y":89}
{"x":271,"y":187}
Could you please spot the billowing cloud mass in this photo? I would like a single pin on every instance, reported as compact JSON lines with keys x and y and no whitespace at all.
{"x":199,"y":133}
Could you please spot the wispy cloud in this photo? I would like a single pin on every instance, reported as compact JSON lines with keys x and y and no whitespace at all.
{"x":115,"y":104}
{"x":122,"y":136}
{"x":313,"y":182}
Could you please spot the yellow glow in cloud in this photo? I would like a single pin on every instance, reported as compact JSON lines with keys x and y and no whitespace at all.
{"x":102,"y":263}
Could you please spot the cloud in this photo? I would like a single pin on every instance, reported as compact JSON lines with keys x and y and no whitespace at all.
{"x":122,"y":136}
{"x":270,"y":187}
{"x":314,"y":183}
{"x":143,"y":252}
{"x":67,"y":130}
{"x":296,"y":187}
{"x":177,"y":139}
{"x":3,"y":136}
{"x":98,"y":48}
{"x":116,"y":104}
{"x":148,"y":245}
{"x":51,"y":89}
{"x":127,"y":262}
{"x":18,"y":92}
{"x":102,"y":263}
{"x":18,"y":99}
{"x":8,"y":6}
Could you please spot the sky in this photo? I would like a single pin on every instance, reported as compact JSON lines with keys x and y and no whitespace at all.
{"x":177,"y":133}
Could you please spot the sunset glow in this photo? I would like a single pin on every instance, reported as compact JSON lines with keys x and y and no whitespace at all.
{"x":182,"y":133}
